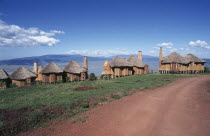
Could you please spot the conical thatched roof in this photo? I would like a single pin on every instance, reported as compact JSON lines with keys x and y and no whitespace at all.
{"x":192,"y":58}
{"x":175,"y":57}
{"x":120,"y":62}
{"x":74,"y":67}
{"x":21,"y":74}
{"x":3,"y":74}
{"x":51,"y":68}
{"x":135,"y":61}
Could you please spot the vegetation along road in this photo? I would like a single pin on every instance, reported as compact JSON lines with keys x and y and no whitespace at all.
{"x":180,"y":108}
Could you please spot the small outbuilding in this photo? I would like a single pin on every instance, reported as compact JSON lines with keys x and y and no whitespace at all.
{"x":4,"y":79}
{"x":22,"y":76}
{"x":51,"y":73}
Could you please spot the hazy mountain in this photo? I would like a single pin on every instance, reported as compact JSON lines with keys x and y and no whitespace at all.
{"x":95,"y":63}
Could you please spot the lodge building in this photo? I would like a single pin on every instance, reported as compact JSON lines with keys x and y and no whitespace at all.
{"x":175,"y":63}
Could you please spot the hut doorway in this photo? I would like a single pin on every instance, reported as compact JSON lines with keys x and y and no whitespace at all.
{"x":174,"y":67}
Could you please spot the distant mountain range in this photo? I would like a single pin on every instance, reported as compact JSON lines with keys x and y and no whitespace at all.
{"x":95,"y":63}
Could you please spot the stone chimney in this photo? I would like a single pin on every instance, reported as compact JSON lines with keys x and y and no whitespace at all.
{"x":85,"y":65}
{"x":35,"y":68}
{"x":161,"y":55}
{"x":140,"y":55}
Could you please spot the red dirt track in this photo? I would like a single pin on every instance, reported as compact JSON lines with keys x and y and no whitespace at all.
{"x":181,"y":108}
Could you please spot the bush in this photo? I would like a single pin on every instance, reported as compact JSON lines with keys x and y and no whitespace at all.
{"x":206,"y":69}
{"x":116,"y":96}
{"x":67,"y":79}
{"x":85,"y":105}
{"x":92,"y":77}
{"x":76,"y":80}
{"x":13,"y":85}
{"x":59,"y":81}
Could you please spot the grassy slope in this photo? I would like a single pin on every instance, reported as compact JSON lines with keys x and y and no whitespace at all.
{"x":63,"y":95}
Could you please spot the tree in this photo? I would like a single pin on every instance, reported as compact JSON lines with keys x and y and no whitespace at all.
{"x":92,"y":77}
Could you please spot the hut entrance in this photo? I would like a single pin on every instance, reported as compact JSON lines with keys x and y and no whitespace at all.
{"x":174,"y":67}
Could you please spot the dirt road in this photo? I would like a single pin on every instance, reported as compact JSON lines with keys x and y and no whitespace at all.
{"x":181,"y":108}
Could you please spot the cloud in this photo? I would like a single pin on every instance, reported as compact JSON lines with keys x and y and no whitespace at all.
{"x":15,"y":36}
{"x":151,"y":52}
{"x":199,"y":44}
{"x":173,"y":50}
{"x":166,"y":45}
{"x":104,"y":53}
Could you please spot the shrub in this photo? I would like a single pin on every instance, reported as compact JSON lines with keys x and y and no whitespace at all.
{"x":116,"y":96}
{"x":92,"y":77}
{"x":206,"y":69}
{"x":59,"y":81}
{"x":76,"y":80}
{"x":85,"y":105}
{"x":103,"y":99}
{"x":13,"y":85}
{"x":67,"y":79}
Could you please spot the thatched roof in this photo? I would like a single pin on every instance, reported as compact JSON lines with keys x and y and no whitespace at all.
{"x":120,"y":62}
{"x":51,"y":68}
{"x":174,"y":57}
{"x":192,"y":58}
{"x":74,"y":67}
{"x":21,"y":74}
{"x":3,"y":74}
{"x":135,"y":61}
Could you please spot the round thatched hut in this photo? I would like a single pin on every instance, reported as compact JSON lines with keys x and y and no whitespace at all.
{"x":4,"y":79}
{"x":22,"y":76}
{"x":51,"y":73}
{"x":175,"y":63}
{"x":121,"y":67}
{"x":138,"y":65}
{"x":75,"y":72}
{"x":196,"y":65}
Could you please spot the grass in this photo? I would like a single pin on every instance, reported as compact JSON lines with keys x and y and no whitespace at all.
{"x":208,"y":91}
{"x":42,"y":100}
{"x":79,"y":120}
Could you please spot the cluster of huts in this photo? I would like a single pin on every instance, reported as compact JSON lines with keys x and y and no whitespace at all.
{"x":49,"y":74}
{"x":175,"y":63}
{"x":119,"y":67}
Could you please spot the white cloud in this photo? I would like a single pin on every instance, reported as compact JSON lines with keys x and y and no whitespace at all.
{"x":199,"y":44}
{"x":151,"y":52}
{"x":15,"y":36}
{"x":173,"y":50}
{"x":166,"y":45}
{"x":104,"y":53}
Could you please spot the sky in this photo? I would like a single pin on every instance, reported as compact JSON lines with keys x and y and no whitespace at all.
{"x":104,"y":27}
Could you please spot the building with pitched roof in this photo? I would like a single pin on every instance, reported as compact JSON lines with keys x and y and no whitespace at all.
{"x":175,"y":63}
{"x":22,"y":76}
{"x":4,"y":79}
{"x":51,"y":73}
{"x":124,"y":67}
{"x":75,"y":72}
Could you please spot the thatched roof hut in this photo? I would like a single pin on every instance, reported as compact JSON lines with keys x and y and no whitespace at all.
{"x":74,"y":67}
{"x":21,"y":74}
{"x":192,"y":58}
{"x":120,"y":62}
{"x":3,"y":74}
{"x":51,"y":68}
{"x":135,"y":61}
{"x":174,"y":57}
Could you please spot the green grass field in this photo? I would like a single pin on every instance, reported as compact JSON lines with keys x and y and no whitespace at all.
{"x":39,"y":103}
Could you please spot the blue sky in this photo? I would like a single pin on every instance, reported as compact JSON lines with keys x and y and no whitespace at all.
{"x":103,"y":27}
